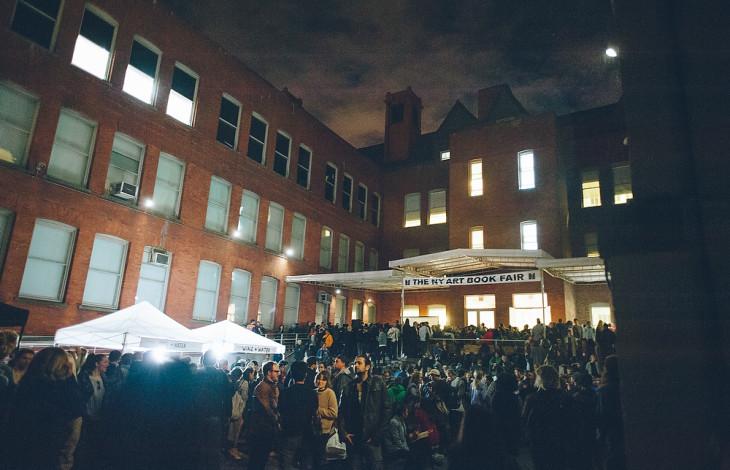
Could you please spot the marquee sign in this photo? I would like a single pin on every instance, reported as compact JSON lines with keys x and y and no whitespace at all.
{"x":479,"y":279}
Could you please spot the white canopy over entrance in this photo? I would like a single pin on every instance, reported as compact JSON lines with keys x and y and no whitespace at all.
{"x":137,"y":328}
{"x":227,"y":336}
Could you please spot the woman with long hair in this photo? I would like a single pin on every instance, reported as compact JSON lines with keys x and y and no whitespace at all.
{"x":326,"y":415}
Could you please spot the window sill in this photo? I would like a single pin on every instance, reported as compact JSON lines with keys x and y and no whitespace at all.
{"x":66,"y":184}
{"x":275,"y":253}
{"x":203,"y":320}
{"x":41,"y":302}
{"x":89,"y":308}
{"x":132,"y":203}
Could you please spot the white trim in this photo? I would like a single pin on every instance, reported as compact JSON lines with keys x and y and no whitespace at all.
{"x":309,"y":169}
{"x":259,"y":117}
{"x":334,"y":188}
{"x":364,"y":216}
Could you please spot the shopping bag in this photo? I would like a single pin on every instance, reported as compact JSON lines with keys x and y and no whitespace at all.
{"x":335,"y":449}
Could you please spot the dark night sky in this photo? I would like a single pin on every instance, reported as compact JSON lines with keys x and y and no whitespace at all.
{"x":342,"y":56}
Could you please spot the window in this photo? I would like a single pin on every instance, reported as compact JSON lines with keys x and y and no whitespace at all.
{"x":291,"y":304}
{"x":36,"y":20}
{"x":257,"y":139}
{"x":438,"y":311}
{"x":437,"y":207}
{"x":228,"y":119}
{"x":411,"y":311}
{"x":526,"y":169}
{"x":373,"y":260}
{"x":362,"y":201}
{"x":343,"y":255}
{"x":476,"y":237}
{"x":124,"y":167}
{"x":298,"y":229}
{"x":356,"y":309}
{"x":248,"y":216}
{"x":303,"y":165}
{"x":445,"y":155}
{"x":93,"y":49}
{"x":375,"y":209}
{"x":267,"y":302}
{"x":17,"y":117}
{"x":153,"y":276}
{"x":168,"y":186}
{"x":476,"y":182}
{"x":281,"y":154}
{"x":600,"y":312}
{"x":183,"y":93}
{"x":49,"y":256}
{"x":528,"y":235}
{"x":72,"y":148}
{"x":330,"y":182}
{"x":591,"y":244}
{"x":591,"y":187}
{"x":347,"y":192}
{"x":106,"y":271}
{"x":480,"y":309}
{"x":527,"y":308}
{"x":412,"y":210}
{"x":139,"y":81}
{"x":622,"y":184}
{"x":274,"y":227}
{"x":411,"y":252}
{"x":219,"y":200}
{"x":359,"y":257}
{"x":6,"y":224}
{"x":325,"y":248}
{"x":240,"y":291}
{"x":206,"y":291}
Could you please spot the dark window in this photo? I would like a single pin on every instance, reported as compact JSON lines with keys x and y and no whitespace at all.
{"x":347,"y":193}
{"x":257,"y":139}
{"x":184,"y":83}
{"x":330,"y":183}
{"x":228,"y":123}
{"x":362,"y":202}
{"x":144,"y":59}
{"x":36,"y":20}
{"x":281,"y":154}
{"x":303,"y":165}
{"x":97,"y":30}
{"x":375,"y":209}
{"x":396,"y":113}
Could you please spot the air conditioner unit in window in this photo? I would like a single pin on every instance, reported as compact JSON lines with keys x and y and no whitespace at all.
{"x":124,"y":190}
{"x":159,"y":256}
{"x":324,"y":298}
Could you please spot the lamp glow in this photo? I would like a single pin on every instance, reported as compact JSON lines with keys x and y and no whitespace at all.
{"x":611,"y":52}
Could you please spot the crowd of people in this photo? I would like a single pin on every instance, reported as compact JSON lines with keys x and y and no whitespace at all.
{"x":391,"y":396}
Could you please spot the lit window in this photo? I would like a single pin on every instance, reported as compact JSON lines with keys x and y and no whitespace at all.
{"x":139,"y":81}
{"x":445,"y":155}
{"x":357,"y":309}
{"x":291,"y":305}
{"x":622,"y":184}
{"x":437,"y":207}
{"x":168,"y":186}
{"x":153,"y":277}
{"x":228,"y":120}
{"x":527,"y":308}
{"x":181,"y":102}
{"x":303,"y":165}
{"x":591,"y":244}
{"x":591,"y":187}
{"x":240,"y":291}
{"x":92,"y":52}
{"x":49,"y":257}
{"x":480,"y":309}
{"x":274,"y":227}
{"x":205,"y":306}
{"x":438,"y":311}
{"x":36,"y":20}
{"x":528,"y":235}
{"x":476,"y":182}
{"x":106,"y":270}
{"x":362,"y":201}
{"x":219,"y":200}
{"x":411,"y":311}
{"x":375,"y":209}
{"x":343,"y":254}
{"x":412,"y":210}
{"x":359,"y":257}
{"x":476,"y":238}
{"x":325,"y":248}
{"x":122,"y":178}
{"x":526,"y":167}
{"x":347,"y":192}
{"x":71,"y":153}
{"x":267,"y":302}
{"x":248,"y":215}
{"x":600,"y":312}
{"x":298,"y":229}
{"x":281,"y":154}
{"x":330,"y":182}
{"x":257,"y":139}
{"x":373,"y":260}
{"x":17,"y":116}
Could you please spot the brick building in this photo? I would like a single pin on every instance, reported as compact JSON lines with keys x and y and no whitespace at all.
{"x":140,"y":161}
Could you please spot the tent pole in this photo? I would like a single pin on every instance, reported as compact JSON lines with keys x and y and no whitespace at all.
{"x":124,"y":342}
{"x":542,"y":295}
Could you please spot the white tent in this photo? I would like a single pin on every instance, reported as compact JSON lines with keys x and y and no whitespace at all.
{"x":230,"y":337}
{"x":139,"y":327}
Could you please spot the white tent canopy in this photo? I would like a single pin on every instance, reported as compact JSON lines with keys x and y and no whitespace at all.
{"x":139,"y":327}
{"x":232,"y":337}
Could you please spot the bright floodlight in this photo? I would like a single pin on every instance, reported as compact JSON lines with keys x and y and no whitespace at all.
{"x":338,"y":291}
{"x":159,"y":355}
{"x":149,"y":203}
{"x":611,"y":52}
{"x":289,"y":252}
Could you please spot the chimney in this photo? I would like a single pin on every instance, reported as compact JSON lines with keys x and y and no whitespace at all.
{"x":402,"y":124}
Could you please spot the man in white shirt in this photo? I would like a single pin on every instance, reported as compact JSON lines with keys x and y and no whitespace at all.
{"x":424,"y":334}
{"x":393,"y":337}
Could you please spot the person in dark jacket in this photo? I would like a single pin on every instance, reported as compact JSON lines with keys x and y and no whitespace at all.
{"x":506,"y":410}
{"x":297,"y":408}
{"x":342,"y":377}
{"x":365,"y":411}
{"x":213,"y":402}
{"x":583,"y":423}
{"x":264,"y":424}
{"x":610,"y":422}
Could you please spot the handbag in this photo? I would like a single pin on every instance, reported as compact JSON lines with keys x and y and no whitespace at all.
{"x":335,"y":449}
